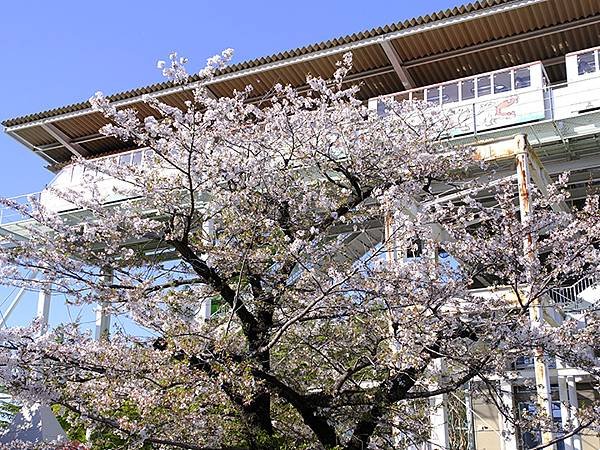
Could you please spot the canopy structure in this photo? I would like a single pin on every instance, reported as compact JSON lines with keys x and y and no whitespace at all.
{"x":36,"y":425}
{"x":458,"y":42}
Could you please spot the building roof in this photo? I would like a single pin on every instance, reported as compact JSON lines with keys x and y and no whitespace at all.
{"x":462,"y":41}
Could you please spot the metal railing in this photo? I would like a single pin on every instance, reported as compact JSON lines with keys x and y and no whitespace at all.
{"x":568,"y":297}
{"x":9,"y":214}
{"x":549,"y":105}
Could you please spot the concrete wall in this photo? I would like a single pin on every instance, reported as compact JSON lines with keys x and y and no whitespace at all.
{"x":487,"y":425}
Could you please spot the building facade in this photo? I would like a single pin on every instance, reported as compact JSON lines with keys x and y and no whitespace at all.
{"x":500,"y":68}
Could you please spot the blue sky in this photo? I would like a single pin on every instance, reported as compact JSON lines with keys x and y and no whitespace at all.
{"x":59,"y":52}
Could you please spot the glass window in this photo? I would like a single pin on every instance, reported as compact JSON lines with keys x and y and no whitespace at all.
{"x":433,"y":95}
{"x":124,"y":159}
{"x":522,"y":78}
{"x":402,"y":96}
{"x":467,"y":89}
{"x":137,"y":158}
{"x":484,"y":86}
{"x":450,"y":93}
{"x":149,"y":155}
{"x":502,"y":82}
{"x":586,"y":63}
{"x":418,"y":95}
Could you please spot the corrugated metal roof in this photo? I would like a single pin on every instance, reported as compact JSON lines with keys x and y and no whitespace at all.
{"x":257,"y":62}
{"x":475,"y":39}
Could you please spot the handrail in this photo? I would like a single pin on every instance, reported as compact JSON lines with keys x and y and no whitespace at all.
{"x":569,"y":296}
{"x":11,"y":215}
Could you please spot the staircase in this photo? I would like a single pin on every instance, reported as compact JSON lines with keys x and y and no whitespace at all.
{"x":579,"y":296}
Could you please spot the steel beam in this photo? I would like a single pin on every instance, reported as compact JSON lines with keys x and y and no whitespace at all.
{"x":79,"y":140}
{"x":65,"y":140}
{"x":542,"y":180}
{"x":15,"y":302}
{"x":505,"y":41}
{"x":31,"y":147}
{"x":392,"y":55}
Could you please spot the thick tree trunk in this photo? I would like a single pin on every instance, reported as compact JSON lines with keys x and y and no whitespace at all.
{"x":257,"y":420}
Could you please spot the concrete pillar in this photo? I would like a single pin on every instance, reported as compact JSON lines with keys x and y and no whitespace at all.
{"x":542,"y":376}
{"x":102,"y":315}
{"x":438,"y":416}
{"x":565,"y":411}
{"x":393,"y":254}
{"x":573,"y":405}
{"x":507,"y":429}
{"x":205,"y":310}
{"x":208,"y":230}
{"x":440,"y":438}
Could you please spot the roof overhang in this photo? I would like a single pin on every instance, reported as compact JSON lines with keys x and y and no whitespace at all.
{"x":474,"y":38}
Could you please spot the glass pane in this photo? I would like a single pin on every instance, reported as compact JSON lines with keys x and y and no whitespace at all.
{"x":149,"y":156}
{"x":484,"y":86}
{"x":522,"y":78}
{"x":418,"y":95}
{"x":502,"y":82}
{"x":450,"y":93}
{"x":467,"y":88}
{"x":586,"y":63}
{"x":433,"y":95}
{"x":137,"y":158}
{"x":124,"y":159}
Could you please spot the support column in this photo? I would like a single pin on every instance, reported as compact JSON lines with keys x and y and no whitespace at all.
{"x":102,"y":315}
{"x":391,"y":255}
{"x":16,"y":300}
{"x":573,"y":405}
{"x":507,"y":429}
{"x":43,"y":304}
{"x":438,"y":417}
{"x":208,"y":239}
{"x":542,"y":377}
{"x":205,"y":311}
{"x":470,"y":416}
{"x":440,"y":438}
{"x":565,"y":411}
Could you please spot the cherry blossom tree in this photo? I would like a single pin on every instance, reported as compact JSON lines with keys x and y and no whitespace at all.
{"x":341,"y":289}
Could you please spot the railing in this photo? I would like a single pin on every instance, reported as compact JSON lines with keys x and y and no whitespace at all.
{"x":555,"y":102}
{"x":9,"y":214}
{"x":72,"y":176}
{"x":568,"y":297}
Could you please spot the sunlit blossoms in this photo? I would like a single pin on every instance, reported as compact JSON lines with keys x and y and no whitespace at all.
{"x":341,"y":291}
